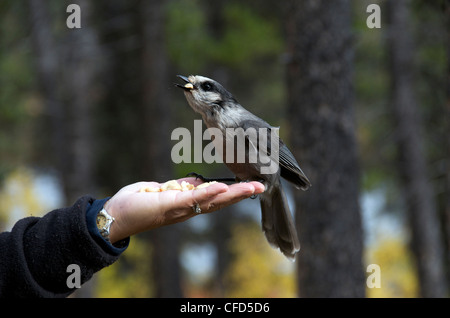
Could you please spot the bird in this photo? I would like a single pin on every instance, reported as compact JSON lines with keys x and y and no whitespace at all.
{"x":221,"y":110}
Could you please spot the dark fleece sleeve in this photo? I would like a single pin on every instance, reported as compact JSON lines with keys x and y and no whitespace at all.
{"x":35,"y":255}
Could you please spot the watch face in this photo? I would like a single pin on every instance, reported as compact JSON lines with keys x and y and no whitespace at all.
{"x":101,"y":221}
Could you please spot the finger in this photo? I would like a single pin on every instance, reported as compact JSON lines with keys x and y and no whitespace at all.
{"x":235,"y":193}
{"x":258,"y":186}
{"x":200,"y":196}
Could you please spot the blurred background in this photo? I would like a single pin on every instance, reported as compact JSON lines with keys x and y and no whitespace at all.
{"x":366,"y":111}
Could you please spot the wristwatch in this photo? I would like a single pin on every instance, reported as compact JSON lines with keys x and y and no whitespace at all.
{"x":104,"y":221}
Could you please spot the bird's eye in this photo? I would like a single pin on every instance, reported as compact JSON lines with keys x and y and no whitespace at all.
{"x":207,"y":87}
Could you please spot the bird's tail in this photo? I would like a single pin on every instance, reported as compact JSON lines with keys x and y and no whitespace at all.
{"x":278,"y":223}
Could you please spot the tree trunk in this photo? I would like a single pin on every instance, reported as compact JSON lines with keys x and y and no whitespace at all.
{"x":322,"y":136}
{"x":68,"y":94}
{"x":155,"y":128}
{"x":119,"y":113}
{"x":82,"y":61}
{"x":447,"y":192}
{"x":418,"y":192}
{"x":222,"y":221}
{"x":47,"y":61}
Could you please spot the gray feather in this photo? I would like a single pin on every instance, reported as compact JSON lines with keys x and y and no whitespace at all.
{"x":278,"y":223}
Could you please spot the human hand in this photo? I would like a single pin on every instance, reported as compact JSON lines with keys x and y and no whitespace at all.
{"x":135,"y":211}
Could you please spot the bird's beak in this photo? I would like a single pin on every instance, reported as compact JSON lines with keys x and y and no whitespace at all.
{"x":188,"y":86}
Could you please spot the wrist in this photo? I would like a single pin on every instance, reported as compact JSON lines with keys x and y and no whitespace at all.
{"x":91,"y":221}
{"x":114,"y":229}
{"x":104,"y":221}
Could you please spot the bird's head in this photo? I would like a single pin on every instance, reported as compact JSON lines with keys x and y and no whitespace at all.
{"x":205,"y":95}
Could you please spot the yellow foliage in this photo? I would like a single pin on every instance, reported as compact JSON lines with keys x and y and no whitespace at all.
{"x":130,"y":276}
{"x":398,"y":274}
{"x":257,"y":270}
{"x":18,"y":197}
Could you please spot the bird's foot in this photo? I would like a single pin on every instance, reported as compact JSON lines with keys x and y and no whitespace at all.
{"x":204,"y":179}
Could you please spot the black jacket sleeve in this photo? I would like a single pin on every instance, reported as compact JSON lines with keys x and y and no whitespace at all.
{"x":35,"y":255}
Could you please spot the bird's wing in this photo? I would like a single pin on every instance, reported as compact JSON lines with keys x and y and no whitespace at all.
{"x":290,"y":169}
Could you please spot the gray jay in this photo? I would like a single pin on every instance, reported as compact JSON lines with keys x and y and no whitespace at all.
{"x":221,"y":111}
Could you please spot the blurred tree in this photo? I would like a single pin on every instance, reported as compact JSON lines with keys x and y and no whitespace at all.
{"x":320,"y":101}
{"x":447,"y":110}
{"x":47,"y":61}
{"x":430,"y":26}
{"x":83,"y":63}
{"x":372,"y":112}
{"x":153,"y":156}
{"x":412,"y":166}
{"x":18,"y":104}
{"x":117,"y":114}
{"x":216,"y":24}
{"x":70,"y":95}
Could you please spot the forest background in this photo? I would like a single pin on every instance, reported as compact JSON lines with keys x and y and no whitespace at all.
{"x":366,"y":111}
